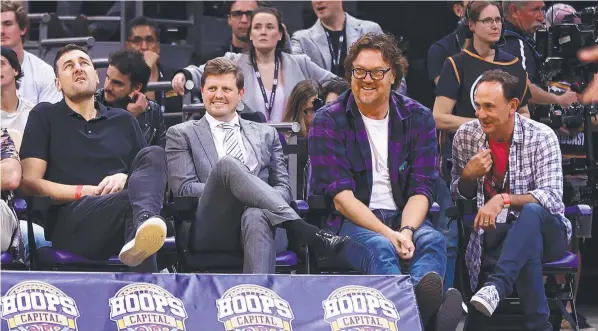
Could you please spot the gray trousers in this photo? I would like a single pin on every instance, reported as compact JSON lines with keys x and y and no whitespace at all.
{"x":238,"y":210}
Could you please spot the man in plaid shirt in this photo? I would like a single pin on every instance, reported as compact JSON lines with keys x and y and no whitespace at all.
{"x":512,"y":166}
{"x":373,"y":152}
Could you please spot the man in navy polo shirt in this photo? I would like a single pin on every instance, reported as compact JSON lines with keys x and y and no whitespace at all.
{"x":92,"y":161}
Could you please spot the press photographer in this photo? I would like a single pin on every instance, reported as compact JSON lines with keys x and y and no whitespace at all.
{"x":522,"y":20}
{"x":126,"y":81}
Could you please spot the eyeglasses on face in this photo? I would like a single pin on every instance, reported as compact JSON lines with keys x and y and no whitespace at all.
{"x":139,"y":40}
{"x":376,"y":74}
{"x":489,"y":20}
{"x":240,"y":13}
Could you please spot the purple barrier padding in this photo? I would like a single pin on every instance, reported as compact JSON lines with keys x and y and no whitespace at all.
{"x":128,"y":301}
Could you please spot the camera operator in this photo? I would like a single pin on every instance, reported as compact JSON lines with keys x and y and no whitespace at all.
{"x":522,"y":19}
{"x":126,"y":80}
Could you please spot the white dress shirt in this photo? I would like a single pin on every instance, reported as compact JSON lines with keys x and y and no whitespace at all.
{"x":219,"y":134}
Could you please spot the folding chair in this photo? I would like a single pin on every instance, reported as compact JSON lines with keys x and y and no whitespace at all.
{"x":508,"y":315}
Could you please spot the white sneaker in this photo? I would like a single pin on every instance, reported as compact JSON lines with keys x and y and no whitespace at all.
{"x":486,"y":300}
{"x":148,"y":240}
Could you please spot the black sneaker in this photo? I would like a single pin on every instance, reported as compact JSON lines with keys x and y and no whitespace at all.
{"x":450,"y":311}
{"x":428,"y":293}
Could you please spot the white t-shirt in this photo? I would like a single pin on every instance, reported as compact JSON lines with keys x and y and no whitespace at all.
{"x":219,"y":134}
{"x":381,"y":197}
{"x":18,"y":119}
{"x":38,"y":82}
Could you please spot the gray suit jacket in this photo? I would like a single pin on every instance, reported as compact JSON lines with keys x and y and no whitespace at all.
{"x":295,"y":68}
{"x":191,"y":154}
{"x":313,"y":42}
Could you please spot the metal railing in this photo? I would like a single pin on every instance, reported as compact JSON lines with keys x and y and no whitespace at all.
{"x":59,"y":42}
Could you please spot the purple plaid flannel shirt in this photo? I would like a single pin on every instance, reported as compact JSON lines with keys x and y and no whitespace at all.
{"x":341,"y":158}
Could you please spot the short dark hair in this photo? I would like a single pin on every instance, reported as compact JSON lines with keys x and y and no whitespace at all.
{"x":336,"y":85}
{"x":507,"y":81}
{"x":387,"y":44}
{"x":222,"y":66}
{"x":20,"y":14}
{"x":66,"y":49}
{"x":141,"y":21}
{"x":131,"y":63}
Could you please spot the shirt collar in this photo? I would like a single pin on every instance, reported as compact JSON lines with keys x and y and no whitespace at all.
{"x":102,"y":110}
{"x":214,"y":122}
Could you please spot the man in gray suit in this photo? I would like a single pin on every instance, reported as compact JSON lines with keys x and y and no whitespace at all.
{"x":327,"y":41}
{"x":237,"y":170}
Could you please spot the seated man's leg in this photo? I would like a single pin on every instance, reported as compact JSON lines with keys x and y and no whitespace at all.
{"x":146,"y":232}
{"x":96,"y":227}
{"x":536,"y":236}
{"x":231,"y":188}
{"x":257,"y":237}
{"x":368,"y":251}
{"x":427,"y":267}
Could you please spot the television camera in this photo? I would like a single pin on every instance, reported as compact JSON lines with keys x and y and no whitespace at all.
{"x":557,"y":48}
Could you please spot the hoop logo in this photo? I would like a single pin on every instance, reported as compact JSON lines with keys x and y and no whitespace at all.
{"x":251,"y":307}
{"x":145,"y":306}
{"x":359,"y":308}
{"x":34,"y":305}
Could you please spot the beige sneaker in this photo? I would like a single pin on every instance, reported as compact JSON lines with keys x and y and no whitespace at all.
{"x":148,"y":240}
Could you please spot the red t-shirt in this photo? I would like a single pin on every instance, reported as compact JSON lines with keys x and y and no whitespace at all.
{"x":500,"y":163}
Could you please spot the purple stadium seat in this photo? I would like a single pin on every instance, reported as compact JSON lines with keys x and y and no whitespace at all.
{"x":6,"y":258}
{"x":569,"y":260}
{"x":435,"y":208}
{"x":20,"y":205}
{"x":287,"y":258}
{"x":51,"y":256}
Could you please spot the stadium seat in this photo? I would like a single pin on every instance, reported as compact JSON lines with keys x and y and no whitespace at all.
{"x":48,"y":258}
{"x":508,"y":315}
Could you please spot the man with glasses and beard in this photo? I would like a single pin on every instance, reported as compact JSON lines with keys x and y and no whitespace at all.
{"x":107,"y":187}
{"x":373,"y":153}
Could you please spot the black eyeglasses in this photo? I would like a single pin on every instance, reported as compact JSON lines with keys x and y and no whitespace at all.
{"x":240,"y":13}
{"x":139,"y":40}
{"x":489,"y":20}
{"x":377,"y":74}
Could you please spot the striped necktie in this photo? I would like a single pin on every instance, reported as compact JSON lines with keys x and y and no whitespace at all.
{"x":231,"y":143}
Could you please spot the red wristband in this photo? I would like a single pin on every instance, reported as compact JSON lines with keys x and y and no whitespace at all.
{"x":506,"y":200}
{"x":78,"y":190}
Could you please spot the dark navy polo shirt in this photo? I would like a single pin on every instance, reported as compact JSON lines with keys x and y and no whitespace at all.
{"x":80,"y":152}
{"x":449,"y":45}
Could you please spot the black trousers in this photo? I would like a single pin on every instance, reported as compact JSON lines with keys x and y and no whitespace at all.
{"x":97,"y":227}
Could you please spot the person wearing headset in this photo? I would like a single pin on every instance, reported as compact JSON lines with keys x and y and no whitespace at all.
{"x":522,"y":20}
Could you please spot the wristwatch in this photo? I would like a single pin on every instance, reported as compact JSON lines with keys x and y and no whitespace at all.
{"x":506,"y":200}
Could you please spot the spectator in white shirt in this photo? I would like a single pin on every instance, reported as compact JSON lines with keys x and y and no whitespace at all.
{"x":15,"y":110}
{"x":37,"y":84}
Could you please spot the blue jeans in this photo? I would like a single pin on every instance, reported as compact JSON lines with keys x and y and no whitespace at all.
{"x":38,"y":234}
{"x":535,"y":237}
{"x":441,"y":223}
{"x":374,"y":254}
